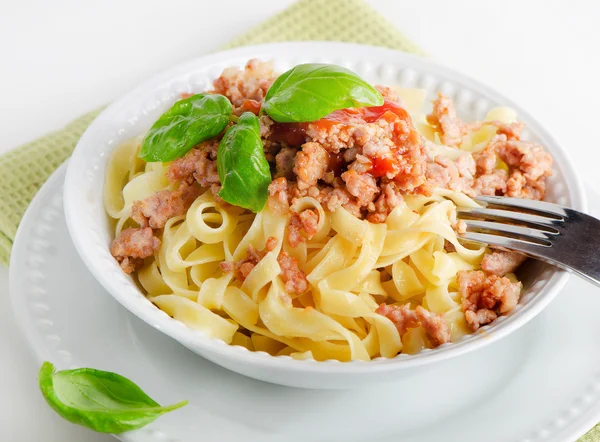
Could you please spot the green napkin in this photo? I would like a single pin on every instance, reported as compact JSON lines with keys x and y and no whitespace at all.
{"x":26,"y":168}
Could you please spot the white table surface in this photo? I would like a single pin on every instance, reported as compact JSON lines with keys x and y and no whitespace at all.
{"x":62,"y":58}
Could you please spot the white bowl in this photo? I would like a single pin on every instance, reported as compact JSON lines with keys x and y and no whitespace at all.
{"x":135,"y":113}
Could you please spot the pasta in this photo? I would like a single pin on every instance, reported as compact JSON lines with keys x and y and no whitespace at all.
{"x":345,"y":261}
{"x":340,"y":288}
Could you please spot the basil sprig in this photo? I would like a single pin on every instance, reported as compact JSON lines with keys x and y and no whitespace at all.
{"x":103,"y":401}
{"x":311,"y":91}
{"x":189,"y":122}
{"x":305,"y":93}
{"x":243,"y":169}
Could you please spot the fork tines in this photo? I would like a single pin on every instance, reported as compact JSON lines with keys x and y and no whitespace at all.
{"x":513,"y":223}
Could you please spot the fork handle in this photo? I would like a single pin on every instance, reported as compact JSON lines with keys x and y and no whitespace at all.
{"x":582,"y":254}
{"x":585,"y":259}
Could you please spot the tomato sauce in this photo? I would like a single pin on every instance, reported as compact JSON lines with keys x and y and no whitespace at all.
{"x":294,"y":134}
{"x":381,"y":166}
{"x":389,"y":111}
{"x":250,"y":106}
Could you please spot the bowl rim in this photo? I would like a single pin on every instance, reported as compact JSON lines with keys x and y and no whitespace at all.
{"x":239,"y":355}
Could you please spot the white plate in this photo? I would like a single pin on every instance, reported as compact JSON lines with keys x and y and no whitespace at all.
{"x":135,"y":113}
{"x":541,"y":383}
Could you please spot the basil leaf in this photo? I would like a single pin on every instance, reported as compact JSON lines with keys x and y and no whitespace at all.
{"x":243,"y":169}
{"x":103,"y":401}
{"x":189,"y":122}
{"x":312,"y":91}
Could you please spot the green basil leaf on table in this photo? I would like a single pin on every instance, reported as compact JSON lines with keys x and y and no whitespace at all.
{"x":100,"y":400}
{"x":189,"y":122}
{"x":312,"y":91}
{"x":243,"y":169}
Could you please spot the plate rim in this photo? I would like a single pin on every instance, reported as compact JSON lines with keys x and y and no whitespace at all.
{"x":583,"y":423}
{"x":17,"y":307}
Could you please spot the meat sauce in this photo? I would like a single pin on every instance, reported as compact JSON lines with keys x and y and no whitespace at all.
{"x":294,"y":134}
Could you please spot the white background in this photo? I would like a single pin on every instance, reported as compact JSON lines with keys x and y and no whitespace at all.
{"x":61,"y":58}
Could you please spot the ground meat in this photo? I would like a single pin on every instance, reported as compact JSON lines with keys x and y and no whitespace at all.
{"x":466,"y":166}
{"x":511,"y":130}
{"x":294,"y":227}
{"x":251,"y":83}
{"x":271,"y":243}
{"x":444,"y":173}
{"x":353,"y":207}
{"x":278,"y":196}
{"x":410,"y":155}
{"x":131,"y":246}
{"x":294,"y":279}
{"x":227,"y":266}
{"x":486,"y":161}
{"x":518,"y":186}
{"x":478,"y":174}
{"x":333,"y":137}
{"x":310,"y":222}
{"x":310,"y":164}
{"x":477,"y":318}
{"x":482,"y":292}
{"x":444,"y":117}
{"x":401,"y":315}
{"x":183,"y":169}
{"x":284,"y":163}
{"x":349,"y":155}
{"x":389,"y":94}
{"x":436,"y":328}
{"x":393,"y":147}
{"x":501,"y":262}
{"x":361,"y":164}
{"x":437,"y":175}
{"x":491,"y":184}
{"x":198,"y":164}
{"x":347,"y":161}
{"x":389,"y":198}
{"x":530,"y":158}
{"x":336,"y":197}
{"x":404,"y":319}
{"x":206,"y":172}
{"x":449,"y":247}
{"x":507,"y":292}
{"x":306,"y":221}
{"x":362,"y":186}
{"x":157,"y":209}
{"x":246,"y":266}
{"x":243,"y":267}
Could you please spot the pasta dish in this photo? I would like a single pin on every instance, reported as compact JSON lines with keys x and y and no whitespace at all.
{"x":313,"y":215}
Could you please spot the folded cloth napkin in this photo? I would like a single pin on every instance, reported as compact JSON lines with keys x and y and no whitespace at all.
{"x":26,"y":168}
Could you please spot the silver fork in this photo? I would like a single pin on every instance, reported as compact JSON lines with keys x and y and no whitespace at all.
{"x":549,"y":232}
